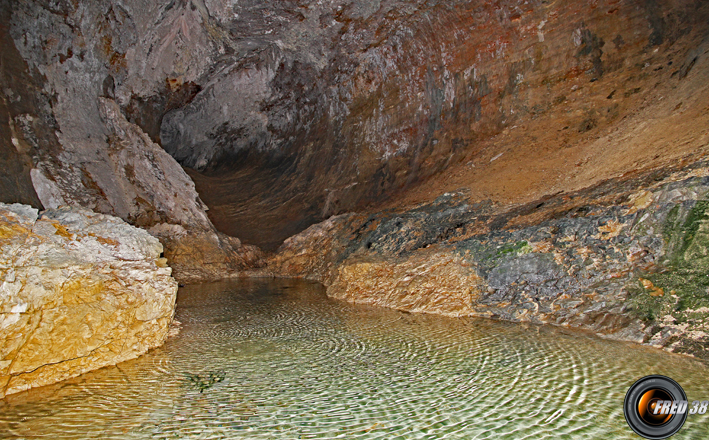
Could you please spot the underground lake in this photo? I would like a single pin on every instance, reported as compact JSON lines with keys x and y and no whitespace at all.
{"x":276,"y":358}
{"x":377,"y":219}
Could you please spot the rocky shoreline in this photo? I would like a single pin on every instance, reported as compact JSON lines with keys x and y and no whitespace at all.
{"x":627,"y":260}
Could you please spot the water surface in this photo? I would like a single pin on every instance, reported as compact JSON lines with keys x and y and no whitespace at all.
{"x":296,"y":364}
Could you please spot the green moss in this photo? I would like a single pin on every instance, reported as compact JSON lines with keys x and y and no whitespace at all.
{"x":686,"y":281}
{"x":644,"y":306}
{"x":688,"y":285}
{"x":685,"y":290}
{"x":697,"y":215}
{"x":519,"y":248}
{"x":670,"y":221}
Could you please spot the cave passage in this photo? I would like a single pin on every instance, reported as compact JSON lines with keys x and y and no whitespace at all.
{"x":389,"y":104}
{"x":287,"y":113}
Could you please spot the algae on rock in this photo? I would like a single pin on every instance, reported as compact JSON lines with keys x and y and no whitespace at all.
{"x":679,"y":309}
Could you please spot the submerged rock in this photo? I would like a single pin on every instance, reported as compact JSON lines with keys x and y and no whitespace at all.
{"x":79,"y":291}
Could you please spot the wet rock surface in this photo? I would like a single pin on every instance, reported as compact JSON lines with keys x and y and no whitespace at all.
{"x":79,"y":291}
{"x":430,"y":282}
{"x":633,"y":269}
{"x":550,"y":126}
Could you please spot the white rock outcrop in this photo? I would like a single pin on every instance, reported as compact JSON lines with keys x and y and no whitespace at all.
{"x":78,"y":291}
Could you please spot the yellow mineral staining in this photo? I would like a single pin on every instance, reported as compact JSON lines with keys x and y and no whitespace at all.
{"x":542,"y":246}
{"x":651,"y":288}
{"x":81,"y":290}
{"x":432,"y":283}
{"x":8,"y":231}
{"x":639,"y":200}
{"x":609,"y":230}
{"x":62,"y":231}
{"x":107,"y":241}
{"x":80,"y":309}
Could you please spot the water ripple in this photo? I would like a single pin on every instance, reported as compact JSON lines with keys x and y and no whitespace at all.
{"x":294,"y":364}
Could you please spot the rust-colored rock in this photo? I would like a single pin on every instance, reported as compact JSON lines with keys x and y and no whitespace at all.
{"x":289,"y":112}
{"x":601,"y":267}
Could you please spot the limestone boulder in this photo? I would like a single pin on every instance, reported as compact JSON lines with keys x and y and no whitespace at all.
{"x":78,"y":291}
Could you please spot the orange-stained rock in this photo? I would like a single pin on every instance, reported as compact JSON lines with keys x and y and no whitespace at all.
{"x":583,"y":263}
{"x":79,"y":291}
{"x":431,"y":282}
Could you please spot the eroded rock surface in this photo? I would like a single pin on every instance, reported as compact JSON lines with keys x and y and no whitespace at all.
{"x":65,"y":134}
{"x":158,"y":195}
{"x":627,"y":260}
{"x":289,"y":112}
{"x":79,"y":291}
{"x":286,"y":113}
{"x":431,"y":282}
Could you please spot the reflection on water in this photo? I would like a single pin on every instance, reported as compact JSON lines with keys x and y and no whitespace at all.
{"x":277,"y":359}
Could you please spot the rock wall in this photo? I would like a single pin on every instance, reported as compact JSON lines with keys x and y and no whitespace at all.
{"x":149,"y":189}
{"x":79,"y":291}
{"x":69,"y":142}
{"x":288,"y":112}
{"x":20,"y":105}
{"x":528,"y":114}
{"x":337,"y":105}
{"x":626,"y":259}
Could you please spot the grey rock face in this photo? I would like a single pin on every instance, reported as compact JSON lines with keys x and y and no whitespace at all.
{"x":92,"y":56}
{"x":294,"y":111}
{"x":538,"y":270}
